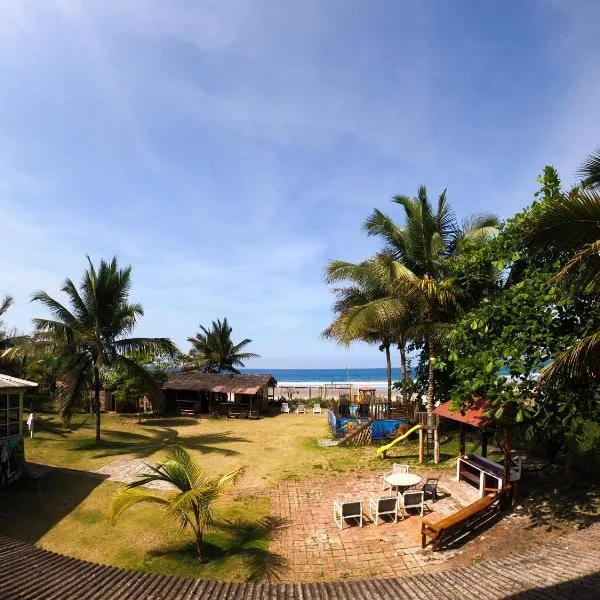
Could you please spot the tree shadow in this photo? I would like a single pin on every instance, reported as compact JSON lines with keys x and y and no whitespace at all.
{"x":142,"y":445}
{"x":549,"y":506}
{"x":31,"y":507}
{"x":241,"y":538}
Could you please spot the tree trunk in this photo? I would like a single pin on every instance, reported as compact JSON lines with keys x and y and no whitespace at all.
{"x":430,"y":385}
{"x":388,"y":359}
{"x":97,"y":400}
{"x":404,"y":371}
{"x":199,"y":550}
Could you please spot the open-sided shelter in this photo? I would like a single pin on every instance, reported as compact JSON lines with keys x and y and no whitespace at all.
{"x":477,"y":469}
{"x":227,"y":394}
{"x":12,"y":452}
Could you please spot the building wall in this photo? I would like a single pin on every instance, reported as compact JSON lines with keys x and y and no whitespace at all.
{"x":12,"y":450}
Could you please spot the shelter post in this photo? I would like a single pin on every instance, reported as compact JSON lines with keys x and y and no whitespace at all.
{"x":461,"y":443}
{"x":421,"y":445}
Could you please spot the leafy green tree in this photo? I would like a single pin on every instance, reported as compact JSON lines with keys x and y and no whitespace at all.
{"x":213,"y":350}
{"x":191,"y":504}
{"x":499,"y":347}
{"x":92,"y":334}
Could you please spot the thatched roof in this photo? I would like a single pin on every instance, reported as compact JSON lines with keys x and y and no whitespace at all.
{"x":14,"y":383}
{"x":219,"y":382}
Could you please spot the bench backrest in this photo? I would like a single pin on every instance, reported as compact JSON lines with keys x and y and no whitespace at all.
{"x":464,"y":513}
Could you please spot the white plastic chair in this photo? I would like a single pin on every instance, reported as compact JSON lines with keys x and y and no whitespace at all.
{"x":285,"y":407}
{"x":301,"y":408}
{"x":412,"y":499}
{"x":316,"y":409}
{"x":347,"y":510}
{"x":384,"y":506}
{"x":396,"y":468}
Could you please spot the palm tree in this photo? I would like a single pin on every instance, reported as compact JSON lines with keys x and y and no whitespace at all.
{"x":366,"y":312}
{"x":192,"y":503}
{"x":213,"y":350}
{"x":91,"y":335}
{"x":417,"y":258}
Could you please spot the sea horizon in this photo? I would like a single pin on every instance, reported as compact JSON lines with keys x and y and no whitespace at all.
{"x":349,"y":375}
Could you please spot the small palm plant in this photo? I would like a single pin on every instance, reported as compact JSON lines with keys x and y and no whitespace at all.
{"x":193,"y":501}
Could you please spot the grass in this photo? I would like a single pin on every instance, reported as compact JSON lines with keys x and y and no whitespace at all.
{"x":66,"y":512}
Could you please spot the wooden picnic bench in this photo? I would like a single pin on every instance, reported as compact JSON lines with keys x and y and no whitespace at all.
{"x":462,"y":519}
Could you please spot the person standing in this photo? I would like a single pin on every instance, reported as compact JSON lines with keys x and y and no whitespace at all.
{"x":30,"y":424}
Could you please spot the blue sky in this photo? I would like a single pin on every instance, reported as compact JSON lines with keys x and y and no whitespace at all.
{"x":228,"y":149}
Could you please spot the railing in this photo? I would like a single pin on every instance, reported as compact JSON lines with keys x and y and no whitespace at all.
{"x":427,"y":421}
{"x":375,"y":410}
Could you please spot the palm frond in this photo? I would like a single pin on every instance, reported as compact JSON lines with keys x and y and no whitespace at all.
{"x":583,"y":270}
{"x":584,"y":356}
{"x":127,"y":497}
{"x":589,"y":171}
{"x":570,"y":222}
{"x":5,"y":304}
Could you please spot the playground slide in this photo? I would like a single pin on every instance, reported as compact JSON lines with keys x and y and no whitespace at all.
{"x":383,"y":449}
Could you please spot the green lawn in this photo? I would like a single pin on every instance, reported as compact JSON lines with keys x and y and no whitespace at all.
{"x":67,"y":512}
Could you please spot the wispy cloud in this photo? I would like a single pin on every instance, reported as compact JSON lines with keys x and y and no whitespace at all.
{"x":229,"y":149}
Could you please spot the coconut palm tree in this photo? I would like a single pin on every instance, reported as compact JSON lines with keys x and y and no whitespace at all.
{"x":213,"y":350}
{"x":92,"y":334}
{"x":367,"y":312}
{"x":192,"y":501}
{"x":417,"y":257}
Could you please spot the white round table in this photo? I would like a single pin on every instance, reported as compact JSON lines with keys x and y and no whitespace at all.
{"x":402,"y":480}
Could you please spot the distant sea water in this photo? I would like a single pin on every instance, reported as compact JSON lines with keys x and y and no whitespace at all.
{"x":327,"y":375}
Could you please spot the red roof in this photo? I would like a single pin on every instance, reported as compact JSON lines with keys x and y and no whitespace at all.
{"x":473,"y":416}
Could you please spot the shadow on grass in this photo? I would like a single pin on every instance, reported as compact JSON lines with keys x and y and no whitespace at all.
{"x":31,"y":507}
{"x":142,"y":445}
{"x":248,"y":540}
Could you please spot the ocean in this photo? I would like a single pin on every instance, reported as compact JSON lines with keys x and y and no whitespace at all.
{"x":328,"y":375}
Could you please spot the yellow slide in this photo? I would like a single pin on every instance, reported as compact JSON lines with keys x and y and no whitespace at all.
{"x":383,"y":449}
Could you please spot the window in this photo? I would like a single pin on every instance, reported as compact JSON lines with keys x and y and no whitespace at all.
{"x":10,"y":415}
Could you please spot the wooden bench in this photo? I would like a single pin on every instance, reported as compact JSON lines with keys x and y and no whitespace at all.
{"x":460,"y":519}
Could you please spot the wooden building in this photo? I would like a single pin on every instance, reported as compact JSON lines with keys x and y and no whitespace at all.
{"x":12,"y":453}
{"x":225,"y":394}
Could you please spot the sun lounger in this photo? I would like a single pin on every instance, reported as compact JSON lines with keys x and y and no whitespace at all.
{"x":316,"y":409}
{"x":285,"y":407}
{"x":301,"y":408}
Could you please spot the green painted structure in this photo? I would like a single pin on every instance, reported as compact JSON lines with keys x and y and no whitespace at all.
{"x":12,"y":450}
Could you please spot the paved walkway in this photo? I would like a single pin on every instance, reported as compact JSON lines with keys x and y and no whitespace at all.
{"x":315,"y":548}
{"x":127,"y":471}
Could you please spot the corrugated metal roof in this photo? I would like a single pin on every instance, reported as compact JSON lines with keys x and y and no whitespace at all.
{"x":8,"y":382}
{"x":30,"y":573}
{"x":473,"y":416}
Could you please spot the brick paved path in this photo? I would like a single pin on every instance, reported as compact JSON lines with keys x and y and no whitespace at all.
{"x":128,"y":470}
{"x":314,"y":547}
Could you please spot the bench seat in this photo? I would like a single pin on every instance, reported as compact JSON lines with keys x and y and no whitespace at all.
{"x":437,"y":531}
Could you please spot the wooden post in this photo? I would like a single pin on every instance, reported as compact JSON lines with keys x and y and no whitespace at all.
{"x":507,"y":501}
{"x":421,"y":445}
{"x":461,"y":443}
{"x":436,"y":445}
{"x":484,"y":443}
